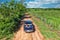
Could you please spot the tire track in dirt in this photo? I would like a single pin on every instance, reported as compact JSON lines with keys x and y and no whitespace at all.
{"x":22,"y":35}
{"x":25,"y":36}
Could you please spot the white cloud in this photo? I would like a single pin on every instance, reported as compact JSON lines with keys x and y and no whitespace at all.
{"x":39,"y":3}
{"x":51,"y":1}
{"x":34,"y":4}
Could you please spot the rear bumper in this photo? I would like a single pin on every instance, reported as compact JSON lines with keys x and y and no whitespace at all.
{"x":29,"y":30}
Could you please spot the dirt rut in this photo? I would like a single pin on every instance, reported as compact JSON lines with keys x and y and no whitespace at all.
{"x":22,"y":35}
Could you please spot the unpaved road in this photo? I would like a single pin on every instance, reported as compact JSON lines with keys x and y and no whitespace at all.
{"x":22,"y":35}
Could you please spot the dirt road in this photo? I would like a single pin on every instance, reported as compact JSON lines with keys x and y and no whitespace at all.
{"x":22,"y":35}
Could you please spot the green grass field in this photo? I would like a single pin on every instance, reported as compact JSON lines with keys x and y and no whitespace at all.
{"x":50,"y":18}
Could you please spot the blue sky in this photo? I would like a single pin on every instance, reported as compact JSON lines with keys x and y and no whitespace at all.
{"x":43,"y":3}
{"x":40,"y":3}
{"x":1,"y":1}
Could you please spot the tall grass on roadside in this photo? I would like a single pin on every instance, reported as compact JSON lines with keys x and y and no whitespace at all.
{"x":51,"y":17}
{"x":10,"y":16}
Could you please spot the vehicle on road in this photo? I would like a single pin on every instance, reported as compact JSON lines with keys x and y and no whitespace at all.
{"x":28,"y":26}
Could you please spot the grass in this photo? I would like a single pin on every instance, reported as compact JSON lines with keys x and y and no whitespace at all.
{"x":47,"y":33}
{"x":10,"y":16}
{"x":51,"y":18}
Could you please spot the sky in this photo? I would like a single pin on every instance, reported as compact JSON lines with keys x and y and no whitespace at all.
{"x":40,"y":3}
{"x":43,"y":3}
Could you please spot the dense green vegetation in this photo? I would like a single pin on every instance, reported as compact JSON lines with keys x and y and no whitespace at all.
{"x":10,"y":15}
{"x":49,"y":22}
{"x":51,"y":17}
